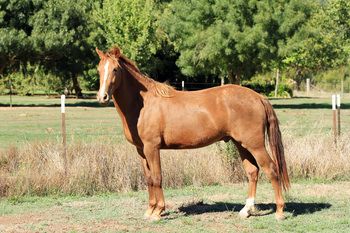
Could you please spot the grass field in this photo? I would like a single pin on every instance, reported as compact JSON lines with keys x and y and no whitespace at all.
{"x":39,"y":118}
{"x":309,"y":208}
{"x":306,"y":125}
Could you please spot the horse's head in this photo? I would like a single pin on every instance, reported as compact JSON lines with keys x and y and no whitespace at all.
{"x":110,"y":75}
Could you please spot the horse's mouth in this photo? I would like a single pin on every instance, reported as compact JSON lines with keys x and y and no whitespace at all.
{"x":103,"y":102}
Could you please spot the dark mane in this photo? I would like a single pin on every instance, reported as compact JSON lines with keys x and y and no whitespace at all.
{"x":115,"y":53}
{"x":129,"y":63}
{"x":159,"y":89}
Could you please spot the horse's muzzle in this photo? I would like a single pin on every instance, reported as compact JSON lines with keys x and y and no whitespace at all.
{"x":103,"y":100}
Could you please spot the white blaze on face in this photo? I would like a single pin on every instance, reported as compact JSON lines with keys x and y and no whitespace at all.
{"x":105,"y":78}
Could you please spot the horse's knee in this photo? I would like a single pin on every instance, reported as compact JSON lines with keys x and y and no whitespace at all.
{"x":149,"y":180}
{"x":253,"y":173}
{"x":157,"y":181}
{"x":271,"y":171}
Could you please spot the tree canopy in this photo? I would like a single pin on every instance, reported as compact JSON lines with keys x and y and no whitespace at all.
{"x":130,"y":25}
{"x":233,"y":39}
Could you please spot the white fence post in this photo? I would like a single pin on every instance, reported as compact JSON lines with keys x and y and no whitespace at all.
{"x":307,"y":86}
{"x":183,"y":85}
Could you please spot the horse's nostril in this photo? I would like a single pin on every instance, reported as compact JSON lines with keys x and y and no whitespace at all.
{"x":105,"y":97}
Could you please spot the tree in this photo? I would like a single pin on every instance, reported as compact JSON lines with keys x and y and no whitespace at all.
{"x":129,"y":24}
{"x":225,"y":38}
{"x":60,"y":38}
{"x":318,"y":46}
{"x":15,"y":30}
{"x":51,"y":34}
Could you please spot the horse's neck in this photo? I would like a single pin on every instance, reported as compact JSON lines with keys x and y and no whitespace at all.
{"x":129,"y":97}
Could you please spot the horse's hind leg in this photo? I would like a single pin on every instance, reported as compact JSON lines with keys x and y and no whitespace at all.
{"x":269,"y":168}
{"x":252,"y":170}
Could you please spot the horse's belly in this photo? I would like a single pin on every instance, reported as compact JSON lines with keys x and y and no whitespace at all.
{"x":187,"y":139}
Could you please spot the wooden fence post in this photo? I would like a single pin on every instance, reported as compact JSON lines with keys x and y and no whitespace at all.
{"x":64,"y":135}
{"x":334,"y":118}
{"x":10,"y":83}
{"x":338,"y":113}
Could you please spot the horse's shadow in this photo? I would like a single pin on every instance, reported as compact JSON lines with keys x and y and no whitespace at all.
{"x":294,"y":208}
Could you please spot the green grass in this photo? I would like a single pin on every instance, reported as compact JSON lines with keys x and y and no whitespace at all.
{"x":309,"y":208}
{"x":21,"y":125}
{"x":310,"y":116}
{"x":39,"y":118}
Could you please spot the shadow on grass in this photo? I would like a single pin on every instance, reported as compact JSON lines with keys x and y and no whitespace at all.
{"x":294,"y":208}
{"x":94,"y":104}
{"x":309,"y":106}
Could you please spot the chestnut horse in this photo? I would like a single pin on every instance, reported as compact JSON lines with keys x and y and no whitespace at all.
{"x":155,"y":116}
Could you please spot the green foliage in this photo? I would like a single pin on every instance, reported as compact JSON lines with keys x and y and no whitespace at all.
{"x":49,"y":33}
{"x":232,"y":38}
{"x":214,"y":37}
{"x":331,"y":80}
{"x":265,"y":84}
{"x":129,"y":24}
{"x":228,"y":150}
{"x":283,"y":91}
{"x":30,"y":80}
{"x":60,"y":34}
{"x":207,"y":40}
{"x":15,"y":43}
{"x":318,"y":46}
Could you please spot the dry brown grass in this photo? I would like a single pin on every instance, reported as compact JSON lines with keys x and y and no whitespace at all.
{"x":38,"y":168}
{"x":316,"y":157}
{"x":105,"y":167}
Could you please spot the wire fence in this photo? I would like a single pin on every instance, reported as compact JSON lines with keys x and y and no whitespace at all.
{"x":29,"y":125}
{"x":86,"y":124}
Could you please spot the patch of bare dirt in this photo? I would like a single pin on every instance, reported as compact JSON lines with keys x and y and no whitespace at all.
{"x":55,"y":220}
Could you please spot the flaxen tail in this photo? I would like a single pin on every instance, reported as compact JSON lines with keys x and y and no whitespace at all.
{"x":276,"y":146}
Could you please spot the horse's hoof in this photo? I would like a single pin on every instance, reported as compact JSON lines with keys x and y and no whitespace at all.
{"x":154,"y":218}
{"x":280,"y":217}
{"x":244,"y":213}
{"x":146,"y":216}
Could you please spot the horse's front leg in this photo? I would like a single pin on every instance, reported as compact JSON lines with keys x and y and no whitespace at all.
{"x":152,"y":201}
{"x":152,"y":157}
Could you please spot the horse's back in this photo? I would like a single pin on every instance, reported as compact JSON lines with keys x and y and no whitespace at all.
{"x":198,"y":118}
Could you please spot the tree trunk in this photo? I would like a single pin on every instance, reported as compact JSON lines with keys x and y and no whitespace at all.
{"x":298,"y":78}
{"x":3,"y":64}
{"x":76,"y":86}
{"x":234,"y":78}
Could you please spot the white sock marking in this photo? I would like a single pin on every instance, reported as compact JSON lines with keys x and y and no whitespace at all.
{"x":249,"y":202}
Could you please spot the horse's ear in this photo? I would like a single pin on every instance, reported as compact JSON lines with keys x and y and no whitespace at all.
{"x":115,"y":52}
{"x":100,"y":53}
